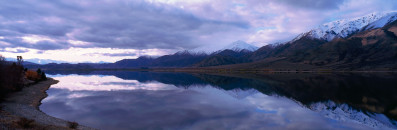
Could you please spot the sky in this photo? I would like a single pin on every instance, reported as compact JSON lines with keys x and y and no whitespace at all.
{"x":110,"y":30}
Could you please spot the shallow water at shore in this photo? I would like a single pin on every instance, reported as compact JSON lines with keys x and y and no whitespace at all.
{"x":149,"y":100}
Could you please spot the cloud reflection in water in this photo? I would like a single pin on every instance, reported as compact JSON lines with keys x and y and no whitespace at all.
{"x":105,"y":83}
{"x":108,"y":102}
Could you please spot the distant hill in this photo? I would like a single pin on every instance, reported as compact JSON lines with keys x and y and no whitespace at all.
{"x":61,"y":66}
{"x":232,"y":52}
{"x":129,"y":63}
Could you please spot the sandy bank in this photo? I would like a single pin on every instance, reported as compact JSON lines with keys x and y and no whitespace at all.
{"x":26,"y":104}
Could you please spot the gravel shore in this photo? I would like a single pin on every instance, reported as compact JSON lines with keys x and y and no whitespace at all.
{"x":25,"y":104}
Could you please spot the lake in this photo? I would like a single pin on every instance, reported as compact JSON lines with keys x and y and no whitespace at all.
{"x":160,"y":100}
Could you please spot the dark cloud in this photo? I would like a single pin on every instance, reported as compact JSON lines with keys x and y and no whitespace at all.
{"x":312,"y":4}
{"x":27,"y":17}
{"x":315,"y":4}
{"x":40,"y":45}
{"x":116,"y":24}
{"x":47,"y":45}
{"x":15,"y":51}
{"x":139,"y":24}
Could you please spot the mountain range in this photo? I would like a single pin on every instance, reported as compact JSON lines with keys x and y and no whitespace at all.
{"x":363,"y":43}
{"x":230,"y":54}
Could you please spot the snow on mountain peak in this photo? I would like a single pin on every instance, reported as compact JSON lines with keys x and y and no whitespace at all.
{"x":345,"y":27}
{"x":202,"y":50}
{"x":239,"y":46}
{"x":190,"y":52}
{"x":235,"y":46}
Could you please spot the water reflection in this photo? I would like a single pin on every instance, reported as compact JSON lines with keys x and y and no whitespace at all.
{"x":143,"y":100}
{"x":105,"y":83}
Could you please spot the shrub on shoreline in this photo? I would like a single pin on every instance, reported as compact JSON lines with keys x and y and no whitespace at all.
{"x":35,"y":75}
{"x":11,"y":77}
{"x":32,"y":75}
{"x":73,"y":125}
{"x":25,"y":123}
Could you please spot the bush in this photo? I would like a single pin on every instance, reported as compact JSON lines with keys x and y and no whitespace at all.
{"x":32,"y":75}
{"x":38,"y":71}
{"x":25,"y":123}
{"x":43,"y":76}
{"x":73,"y":125}
{"x":11,"y":77}
{"x":35,"y":75}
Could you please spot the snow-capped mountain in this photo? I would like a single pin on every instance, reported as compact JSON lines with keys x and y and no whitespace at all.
{"x":239,"y":46}
{"x":235,"y":46}
{"x":346,"y":27}
{"x":190,"y":52}
{"x":202,"y":50}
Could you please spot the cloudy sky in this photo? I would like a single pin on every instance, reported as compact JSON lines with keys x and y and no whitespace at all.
{"x":110,"y":30}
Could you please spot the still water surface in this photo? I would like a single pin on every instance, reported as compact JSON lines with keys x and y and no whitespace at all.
{"x":148,"y":100}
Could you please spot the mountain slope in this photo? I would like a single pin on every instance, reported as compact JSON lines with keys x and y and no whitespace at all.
{"x":296,"y":49}
{"x":368,"y":50}
{"x":225,"y":57}
{"x":180,"y":59}
{"x":234,"y":53}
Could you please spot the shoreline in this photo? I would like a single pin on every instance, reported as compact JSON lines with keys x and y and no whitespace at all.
{"x":25,"y":104}
{"x":231,"y":70}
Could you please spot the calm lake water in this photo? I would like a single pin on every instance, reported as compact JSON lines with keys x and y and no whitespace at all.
{"x":154,"y":100}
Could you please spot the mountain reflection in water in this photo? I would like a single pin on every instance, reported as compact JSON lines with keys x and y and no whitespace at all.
{"x":153,"y":100}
